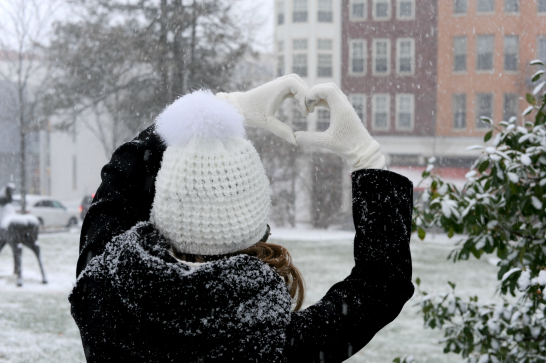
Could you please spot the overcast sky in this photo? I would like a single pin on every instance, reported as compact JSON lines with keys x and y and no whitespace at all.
{"x":265,"y":9}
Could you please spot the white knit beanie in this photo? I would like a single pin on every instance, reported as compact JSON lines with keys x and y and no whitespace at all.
{"x":212,"y":195}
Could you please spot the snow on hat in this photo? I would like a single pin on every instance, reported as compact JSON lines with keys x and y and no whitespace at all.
{"x":212,"y":194}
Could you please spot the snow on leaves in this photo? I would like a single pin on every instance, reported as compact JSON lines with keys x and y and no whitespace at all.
{"x":500,"y":210}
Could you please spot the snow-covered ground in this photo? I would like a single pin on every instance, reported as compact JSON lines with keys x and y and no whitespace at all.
{"x":36,"y":326}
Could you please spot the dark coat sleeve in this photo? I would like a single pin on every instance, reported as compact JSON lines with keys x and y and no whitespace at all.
{"x":379,"y":285}
{"x":125,"y":195}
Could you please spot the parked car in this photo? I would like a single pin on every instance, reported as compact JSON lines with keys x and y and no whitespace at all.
{"x":49,"y":211}
{"x":86,"y":203}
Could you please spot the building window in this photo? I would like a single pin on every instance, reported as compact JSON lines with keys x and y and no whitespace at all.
{"x":484,"y":52}
{"x":358,"y":9}
{"x":459,"y":54}
{"x":299,"y":121}
{"x":405,"y":110}
{"x":324,"y":44}
{"x":280,"y":46}
{"x":324,"y":65}
{"x":511,"y":6}
{"x":357,"y":62}
{"x":280,"y":12}
{"x":405,"y":56}
{"x":511,"y":53}
{"x":381,"y":56}
{"x":541,"y":6}
{"x":381,"y":111}
{"x":459,"y":111}
{"x":381,"y":9}
{"x":359,"y":104}
{"x":486,"y":6}
{"x":280,"y":66}
{"x":541,"y":54}
{"x":460,"y":6}
{"x":299,"y":64}
{"x":323,"y":119}
{"x":325,"y":11}
{"x":299,"y":44}
{"x":484,"y":108}
{"x":510,"y":106}
{"x":299,"y":14}
{"x":405,"y":9}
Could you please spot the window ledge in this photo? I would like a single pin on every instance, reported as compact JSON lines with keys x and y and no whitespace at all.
{"x":492,"y":71}
{"x":460,"y":73}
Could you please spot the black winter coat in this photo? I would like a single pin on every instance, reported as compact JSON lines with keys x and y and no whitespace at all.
{"x":135,"y":302}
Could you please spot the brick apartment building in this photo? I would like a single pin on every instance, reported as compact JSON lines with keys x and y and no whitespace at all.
{"x":484,"y":50}
{"x":389,"y":64}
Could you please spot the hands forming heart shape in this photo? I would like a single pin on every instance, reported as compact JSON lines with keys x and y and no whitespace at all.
{"x":346,"y":135}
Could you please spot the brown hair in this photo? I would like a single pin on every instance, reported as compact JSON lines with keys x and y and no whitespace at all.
{"x":275,"y":256}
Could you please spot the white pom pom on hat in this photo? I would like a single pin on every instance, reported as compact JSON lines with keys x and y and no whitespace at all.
{"x":199,"y":114}
{"x":212,"y":195}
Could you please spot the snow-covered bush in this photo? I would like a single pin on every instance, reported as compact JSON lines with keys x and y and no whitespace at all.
{"x":501,"y":210}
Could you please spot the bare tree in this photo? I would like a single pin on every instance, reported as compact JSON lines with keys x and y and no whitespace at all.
{"x":124,"y":61}
{"x":24,"y":28}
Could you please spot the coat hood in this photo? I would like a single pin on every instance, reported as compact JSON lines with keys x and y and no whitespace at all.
{"x":137,"y":301}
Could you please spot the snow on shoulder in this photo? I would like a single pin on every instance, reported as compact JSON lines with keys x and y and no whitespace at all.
{"x":199,"y":114}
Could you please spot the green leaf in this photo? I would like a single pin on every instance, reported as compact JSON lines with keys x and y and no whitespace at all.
{"x":418,"y":281}
{"x":487,"y":136}
{"x":537,"y":76}
{"x":396,"y":360}
{"x":421,"y":233}
{"x":451,"y":284}
{"x":483,"y":166}
{"x":451,"y":232}
{"x":530,"y":98}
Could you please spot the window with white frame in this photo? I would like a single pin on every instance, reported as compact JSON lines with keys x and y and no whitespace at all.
{"x":381,"y":111}
{"x":299,"y":64}
{"x":405,"y":110}
{"x":280,"y":66}
{"x":381,"y":9}
{"x":324,"y":65}
{"x":541,"y":6}
{"x":299,"y":121}
{"x":511,"y":6}
{"x":484,"y":108}
{"x":359,"y":104}
{"x":299,"y":13}
{"x":484,"y":52}
{"x":299,"y":44}
{"x":459,"y":54}
{"x":486,"y":6}
{"x":511,"y":53}
{"x":405,"y":9}
{"x":324,"y":44}
{"x":460,"y":7}
{"x":357,"y":53}
{"x":325,"y":11}
{"x":358,"y":9}
{"x":541,"y":48}
{"x":510,"y":106}
{"x":381,"y":56}
{"x":280,"y":12}
{"x":459,"y":110}
{"x":405,"y":55}
{"x":323,"y":119}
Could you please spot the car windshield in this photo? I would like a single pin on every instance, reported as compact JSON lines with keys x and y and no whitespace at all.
{"x":57,"y":204}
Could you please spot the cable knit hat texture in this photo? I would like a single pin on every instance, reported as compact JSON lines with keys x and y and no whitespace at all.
{"x":212,"y":195}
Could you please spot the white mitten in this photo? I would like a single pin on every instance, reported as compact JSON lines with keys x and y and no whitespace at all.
{"x":259,"y":105}
{"x":346,"y":135}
